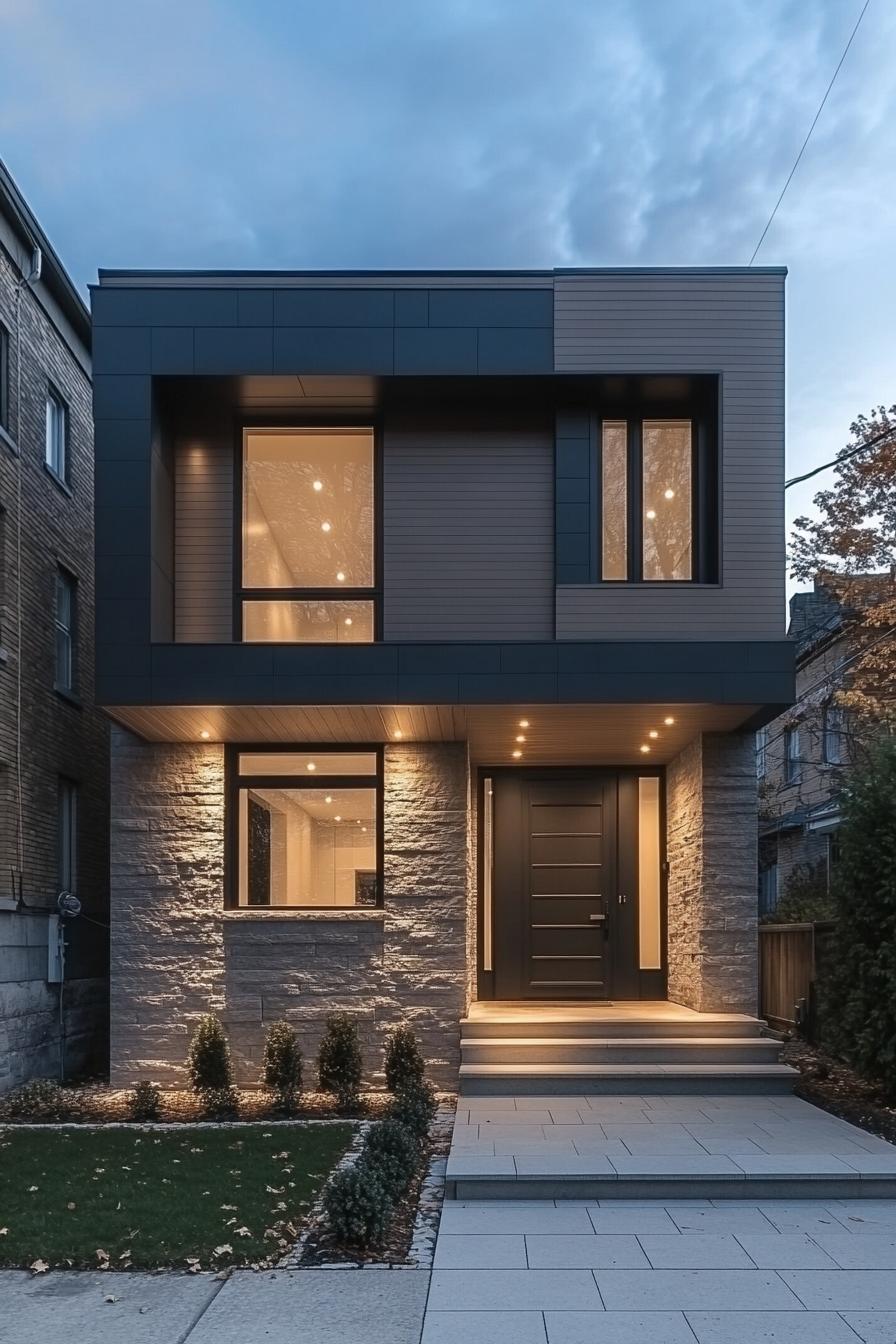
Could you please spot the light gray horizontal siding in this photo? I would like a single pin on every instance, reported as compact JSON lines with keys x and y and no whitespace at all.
{"x":468,"y":533}
{"x":731,"y":324}
{"x":203,"y":529}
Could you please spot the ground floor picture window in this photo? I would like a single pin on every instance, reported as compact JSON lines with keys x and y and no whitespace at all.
{"x":305,"y":828}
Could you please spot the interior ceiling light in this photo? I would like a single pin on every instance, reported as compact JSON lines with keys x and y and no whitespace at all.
{"x":328,"y":798}
{"x":524,"y":723}
{"x":348,"y":620}
{"x":325,"y":527}
{"x":653,"y":733}
{"x":668,"y":720}
{"x":205,"y":734}
{"x":516,"y":755}
{"x":398,"y":733}
{"x":318,"y":485}
{"x":668,"y":494}
{"x":651,"y":513}
{"x":310,"y":766}
{"x":340,"y":577}
{"x":645,"y":748}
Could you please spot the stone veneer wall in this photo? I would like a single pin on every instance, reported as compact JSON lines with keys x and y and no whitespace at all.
{"x":176,"y":953}
{"x":711,"y":846}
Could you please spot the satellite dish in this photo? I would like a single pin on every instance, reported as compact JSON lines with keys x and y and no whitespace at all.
{"x":68,"y":905}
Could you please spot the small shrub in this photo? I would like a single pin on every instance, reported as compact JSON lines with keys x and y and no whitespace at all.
{"x":339,"y":1060}
{"x":283,"y":1064}
{"x":404,"y":1062}
{"x":145,"y":1102}
{"x":40,"y":1099}
{"x":210,"y":1070}
{"x":358,"y":1206}
{"x":392,"y":1150}
{"x":415,"y":1108}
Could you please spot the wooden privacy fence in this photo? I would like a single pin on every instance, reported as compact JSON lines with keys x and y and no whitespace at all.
{"x":788,"y":964}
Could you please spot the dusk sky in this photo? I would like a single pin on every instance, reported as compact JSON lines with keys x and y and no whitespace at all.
{"x":479,"y":133}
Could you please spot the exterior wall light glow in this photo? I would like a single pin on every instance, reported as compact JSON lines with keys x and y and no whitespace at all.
{"x":668,"y":721}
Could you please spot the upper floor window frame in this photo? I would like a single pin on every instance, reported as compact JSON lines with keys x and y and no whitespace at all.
{"x":65,"y":628}
{"x":705,"y":483}
{"x":243,"y":594}
{"x":834,"y":732}
{"x":4,"y":378}
{"x":57,"y":439}
{"x":762,"y":752}
{"x":793,"y":761}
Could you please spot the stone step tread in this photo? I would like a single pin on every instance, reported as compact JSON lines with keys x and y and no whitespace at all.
{"x":625,"y":1042}
{"x":607,"y":1070}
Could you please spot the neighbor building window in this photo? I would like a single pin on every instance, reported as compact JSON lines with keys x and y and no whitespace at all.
{"x":65,"y":624}
{"x":761,"y":752}
{"x":647,"y":480}
{"x":834,"y":735}
{"x":305,"y":828}
{"x":308,"y":572}
{"x":793,"y":765}
{"x":4,"y":378}
{"x":67,"y":835}
{"x":57,"y":436}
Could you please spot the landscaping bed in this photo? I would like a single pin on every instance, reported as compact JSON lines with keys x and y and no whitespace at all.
{"x":833,"y":1086}
{"x":115,"y":1198}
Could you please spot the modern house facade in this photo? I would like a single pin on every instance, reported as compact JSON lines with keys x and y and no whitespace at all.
{"x":53,"y":742}
{"x":436,"y":616}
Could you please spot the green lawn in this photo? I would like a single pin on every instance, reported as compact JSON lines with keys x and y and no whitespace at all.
{"x":147,"y":1198}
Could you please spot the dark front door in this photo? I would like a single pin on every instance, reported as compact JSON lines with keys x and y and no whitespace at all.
{"x":555,"y":886}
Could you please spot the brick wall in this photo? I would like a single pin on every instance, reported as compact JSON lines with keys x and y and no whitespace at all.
{"x":711,"y":852}
{"x":177,"y":954}
{"x":58,"y":737}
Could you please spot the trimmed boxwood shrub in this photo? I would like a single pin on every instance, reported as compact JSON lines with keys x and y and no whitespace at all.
{"x":392,"y":1150}
{"x":283,"y":1064}
{"x":404,"y":1062}
{"x":145,"y":1102}
{"x":339,"y":1060}
{"x":358,"y":1206}
{"x":415,"y":1108}
{"x":209,"y":1068}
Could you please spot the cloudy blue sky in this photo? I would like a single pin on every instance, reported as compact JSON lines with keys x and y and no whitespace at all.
{"x":451,"y":133}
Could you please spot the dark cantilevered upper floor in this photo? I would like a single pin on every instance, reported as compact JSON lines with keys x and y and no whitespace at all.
{"x":563,"y":486}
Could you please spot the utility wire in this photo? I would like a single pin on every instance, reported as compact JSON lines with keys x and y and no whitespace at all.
{"x":811,"y":129}
{"x":844,"y":457}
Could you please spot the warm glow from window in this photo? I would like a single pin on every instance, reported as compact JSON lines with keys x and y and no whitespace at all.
{"x":282,"y":622}
{"x":614,"y":500}
{"x":649,"y":924}
{"x":666,"y":489}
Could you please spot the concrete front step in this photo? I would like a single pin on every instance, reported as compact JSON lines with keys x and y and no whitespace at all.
{"x":562,"y":1049}
{"x":553,"y":1023}
{"x":752,"y":1189}
{"x":556,"y":1079}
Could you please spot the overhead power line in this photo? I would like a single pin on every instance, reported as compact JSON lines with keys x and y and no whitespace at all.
{"x":809,"y":134}
{"x":844,"y":457}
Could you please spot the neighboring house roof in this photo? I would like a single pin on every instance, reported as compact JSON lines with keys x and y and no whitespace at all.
{"x":23,"y":222}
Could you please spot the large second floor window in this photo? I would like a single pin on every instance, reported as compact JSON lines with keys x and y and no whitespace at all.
{"x":654,"y":492}
{"x":308,"y":569}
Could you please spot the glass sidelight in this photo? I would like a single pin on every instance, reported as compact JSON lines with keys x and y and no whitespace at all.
{"x":649,"y":884}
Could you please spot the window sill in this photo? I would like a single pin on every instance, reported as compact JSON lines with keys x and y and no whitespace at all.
{"x":69,"y":697}
{"x":58,"y":481}
{"x":343,"y":913}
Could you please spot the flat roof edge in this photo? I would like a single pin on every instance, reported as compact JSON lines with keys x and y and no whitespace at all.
{"x":109,"y":277}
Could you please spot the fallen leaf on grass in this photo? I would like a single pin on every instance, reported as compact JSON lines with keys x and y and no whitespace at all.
{"x":226,"y":1249}
{"x":71,"y":1204}
{"x":103,"y":1257}
{"x":242,"y":1232}
{"x":4,"y":1231}
{"x":228,"y":1207}
{"x":39,"y":1267}
{"x":32,"y":1188}
{"x":110,"y":1297}
{"x":193,"y":1265}
{"x":275,"y":1189}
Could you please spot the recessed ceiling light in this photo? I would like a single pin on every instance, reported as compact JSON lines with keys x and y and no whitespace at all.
{"x":328,"y":798}
{"x":645,"y":748}
{"x":524,"y":723}
{"x":340,"y":577}
{"x":653,"y":733}
{"x":516,"y":755}
{"x":668,"y":494}
{"x":651,"y":513}
{"x":325,"y":527}
{"x":668,"y":721}
{"x":348,"y":620}
{"x":205,"y":734}
{"x":310,"y":766}
{"x":398,"y":733}
{"x":318,"y":485}
{"x":520,"y":738}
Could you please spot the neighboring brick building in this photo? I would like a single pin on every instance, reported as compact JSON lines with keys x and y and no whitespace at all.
{"x":53,"y":741}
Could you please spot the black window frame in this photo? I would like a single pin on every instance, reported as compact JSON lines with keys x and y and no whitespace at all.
{"x":373,"y":594}
{"x":69,"y":688}
{"x":706,"y":512}
{"x":4,"y":378}
{"x":67,"y":808}
{"x":234,"y":781}
{"x":65,"y":477}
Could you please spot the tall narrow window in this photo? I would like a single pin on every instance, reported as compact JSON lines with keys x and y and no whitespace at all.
{"x":67,"y":835}
{"x":649,"y":922}
{"x":488,"y":864}
{"x":4,"y":378}
{"x":308,"y":566}
{"x":793,"y":765}
{"x":306,"y":829}
{"x":614,"y":497}
{"x":57,"y":436}
{"x":666,"y":489}
{"x":761,"y":750}
{"x":65,"y":618}
{"x":834,"y":735}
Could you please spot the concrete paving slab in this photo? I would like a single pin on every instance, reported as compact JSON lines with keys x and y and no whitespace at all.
{"x":872,"y":1327}
{"x":585,"y":1252}
{"x":526,"y":1217}
{"x":649,"y":1218}
{"x":618,"y":1327}
{"x":805,"y":1216}
{"x":699,"y":1250}
{"x":676,"y":1167}
{"x":695,"y":1290}
{"x":732,"y":1220}
{"x":484,"y":1327}
{"x":499,"y":1250}
{"x":851,"y":1252}
{"x":845,"y":1290}
{"x":784,"y":1250}
{"x":516,"y":1289}
{"x":770,"y":1327}
{"x":315,"y":1306}
{"x":149,"y":1309}
{"x":575,"y":1167}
